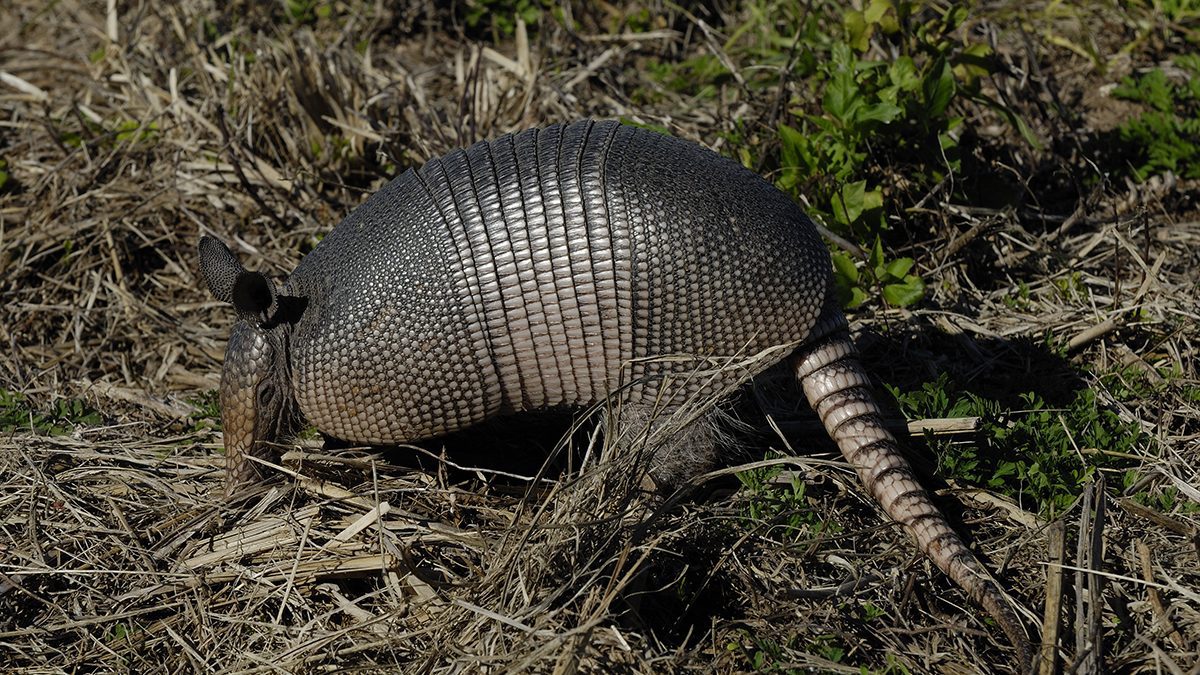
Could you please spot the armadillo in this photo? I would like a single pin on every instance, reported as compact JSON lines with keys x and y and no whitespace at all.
{"x":556,"y":267}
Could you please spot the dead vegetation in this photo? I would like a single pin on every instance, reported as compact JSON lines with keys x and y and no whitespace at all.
{"x":130,"y":128}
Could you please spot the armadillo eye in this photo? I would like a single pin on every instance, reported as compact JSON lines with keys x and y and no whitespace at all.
{"x":265,"y":394}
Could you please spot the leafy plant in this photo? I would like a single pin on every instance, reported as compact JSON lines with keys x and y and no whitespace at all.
{"x":854,"y":125}
{"x":1021,"y":300}
{"x":785,"y":506}
{"x":208,"y":410}
{"x":1070,"y":286}
{"x":111,"y":133}
{"x":64,"y":415}
{"x":500,"y":16}
{"x":1166,"y":499}
{"x":1039,"y":454}
{"x":307,"y":11}
{"x":871,"y":611}
{"x":898,"y":286}
{"x":1166,"y":137}
{"x":870,"y":107}
{"x":697,"y":77}
{"x":763,"y":654}
{"x":830,"y":648}
{"x":878,"y":119}
{"x":1177,"y":11}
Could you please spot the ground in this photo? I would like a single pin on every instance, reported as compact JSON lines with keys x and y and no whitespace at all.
{"x":1030,"y":173}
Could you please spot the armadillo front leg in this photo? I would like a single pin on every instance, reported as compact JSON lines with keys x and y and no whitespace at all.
{"x":839,"y":391}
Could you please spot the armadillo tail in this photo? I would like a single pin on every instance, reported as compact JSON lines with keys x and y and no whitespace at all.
{"x":839,"y":391}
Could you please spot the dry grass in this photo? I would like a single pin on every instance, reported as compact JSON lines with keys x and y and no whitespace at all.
{"x":128,"y":131}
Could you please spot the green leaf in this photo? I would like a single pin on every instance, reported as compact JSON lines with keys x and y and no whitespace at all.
{"x":842,"y":96}
{"x":845,"y":281}
{"x":877,"y":13}
{"x":872,"y":199}
{"x":938,"y":88}
{"x":797,"y":156}
{"x":848,"y":202}
{"x":857,"y":297}
{"x":1152,"y":88}
{"x":858,"y":31}
{"x":1013,"y":119}
{"x":875,"y":261}
{"x":880,"y":112}
{"x":903,"y":74}
{"x":904,"y":294}
{"x":790,"y":141}
{"x":899,"y":267}
{"x":974,"y":63}
{"x":949,"y":145}
{"x":844,"y":268}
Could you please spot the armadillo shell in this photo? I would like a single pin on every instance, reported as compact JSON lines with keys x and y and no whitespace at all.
{"x":550,"y":267}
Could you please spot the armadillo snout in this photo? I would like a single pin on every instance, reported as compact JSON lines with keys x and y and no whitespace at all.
{"x":254,"y":399}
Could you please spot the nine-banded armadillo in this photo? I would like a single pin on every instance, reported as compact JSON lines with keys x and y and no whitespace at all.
{"x":547,"y":268}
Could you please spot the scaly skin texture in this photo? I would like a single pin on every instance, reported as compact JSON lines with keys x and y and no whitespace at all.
{"x":244,"y":363}
{"x":544,"y":269}
{"x":255,"y":401}
{"x":839,"y":391}
{"x":557,"y":267}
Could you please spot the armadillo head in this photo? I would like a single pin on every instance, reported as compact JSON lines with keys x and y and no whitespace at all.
{"x":257,"y":402}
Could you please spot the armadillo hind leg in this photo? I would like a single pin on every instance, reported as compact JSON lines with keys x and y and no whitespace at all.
{"x":679,"y":445}
{"x":839,"y":391}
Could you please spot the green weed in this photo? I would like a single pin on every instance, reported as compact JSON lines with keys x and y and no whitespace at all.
{"x":307,"y":11}
{"x":1021,"y":300}
{"x":897,"y":285}
{"x":208,"y":409}
{"x":870,"y":612}
{"x":830,"y":648}
{"x":783,"y":506}
{"x":134,"y":131}
{"x":697,"y":77}
{"x":872,"y":112}
{"x":1167,"y":499}
{"x":111,"y":133}
{"x":854,"y":123}
{"x":1070,"y":287}
{"x":500,"y":16}
{"x":1177,"y":11}
{"x":762,"y":654}
{"x":16,"y":414}
{"x":1167,"y":136}
{"x":1040,"y":456}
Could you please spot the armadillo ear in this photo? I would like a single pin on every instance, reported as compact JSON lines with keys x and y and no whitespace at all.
{"x":219,"y":267}
{"x":253,"y":295}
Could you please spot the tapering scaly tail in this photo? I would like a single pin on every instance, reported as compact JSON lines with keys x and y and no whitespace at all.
{"x":839,"y":391}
